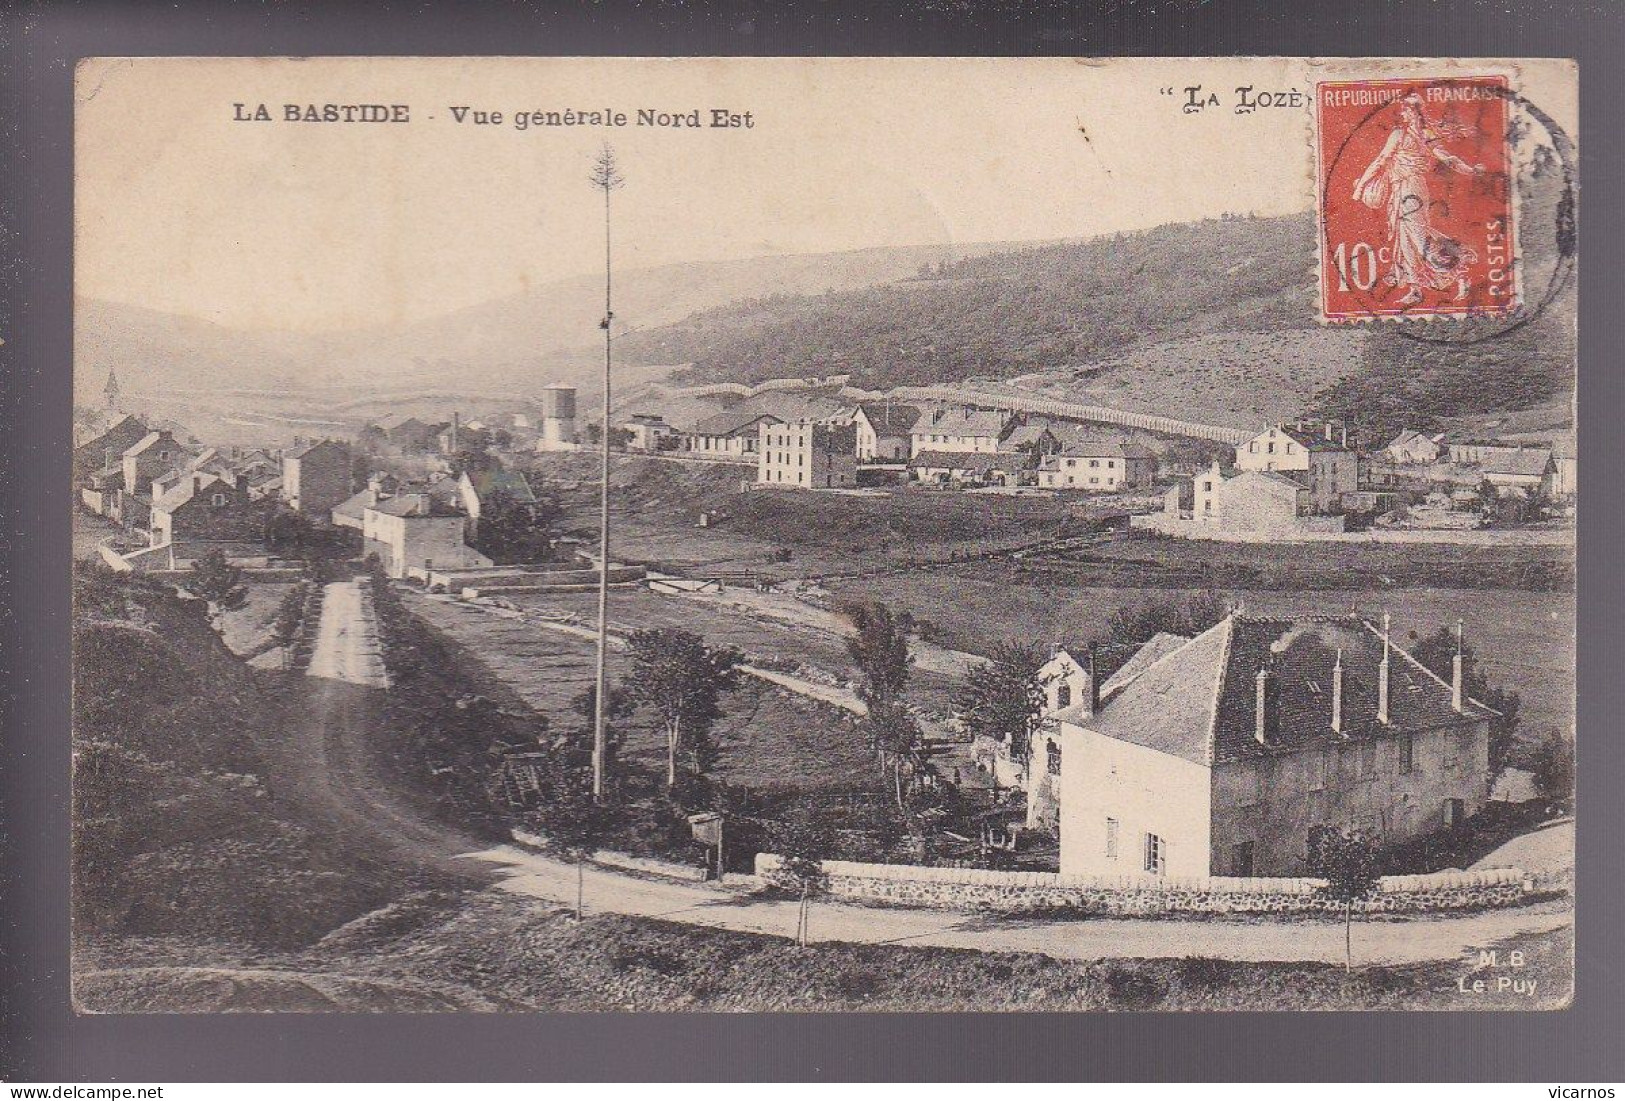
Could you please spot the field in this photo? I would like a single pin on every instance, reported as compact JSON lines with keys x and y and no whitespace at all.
{"x":1524,"y":639}
{"x":771,"y":738}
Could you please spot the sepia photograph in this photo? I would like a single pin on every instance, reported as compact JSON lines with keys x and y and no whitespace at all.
{"x":823,"y":534}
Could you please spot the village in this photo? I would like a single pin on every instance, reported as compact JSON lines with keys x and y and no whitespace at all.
{"x":1220,"y":747}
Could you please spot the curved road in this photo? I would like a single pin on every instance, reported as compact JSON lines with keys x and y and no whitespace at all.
{"x":1416,"y":940}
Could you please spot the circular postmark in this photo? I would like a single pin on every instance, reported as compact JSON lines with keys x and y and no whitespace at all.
{"x":1450,"y":198}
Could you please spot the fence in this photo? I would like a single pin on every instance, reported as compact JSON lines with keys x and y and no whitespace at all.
{"x":1017,"y":892}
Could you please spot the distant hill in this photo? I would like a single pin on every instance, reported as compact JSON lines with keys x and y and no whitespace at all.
{"x":505,"y":346}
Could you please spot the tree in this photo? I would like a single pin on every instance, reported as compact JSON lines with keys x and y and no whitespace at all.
{"x":1128,"y":629}
{"x":897,"y":740}
{"x":680,"y":678}
{"x":576,"y":743}
{"x":1552,"y":763}
{"x":574,"y":823}
{"x":1003,"y":697}
{"x":512,"y":531}
{"x":290,"y":616}
{"x":219,"y":582}
{"x":1348,"y":862}
{"x":879,"y":646}
{"x":1437,"y":652}
{"x":803,"y":843}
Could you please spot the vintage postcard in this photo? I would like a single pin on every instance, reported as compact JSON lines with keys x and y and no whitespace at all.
{"x":824,"y":534}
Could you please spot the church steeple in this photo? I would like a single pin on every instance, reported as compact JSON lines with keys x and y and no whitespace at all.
{"x":110,"y":392}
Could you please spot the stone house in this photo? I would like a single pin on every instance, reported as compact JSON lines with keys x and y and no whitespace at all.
{"x":107,"y":447}
{"x":807,"y":454}
{"x":729,"y":435}
{"x":959,"y":430}
{"x":415,"y":530}
{"x":318,"y":476}
{"x":206,"y":508}
{"x":155,"y":454}
{"x":649,"y":432}
{"x":1098,"y":467}
{"x":1222,"y":756}
{"x":1413,"y":448}
{"x":1330,"y":468}
{"x":885,"y":431}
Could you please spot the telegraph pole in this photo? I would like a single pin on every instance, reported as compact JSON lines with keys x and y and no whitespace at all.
{"x":606,"y":176}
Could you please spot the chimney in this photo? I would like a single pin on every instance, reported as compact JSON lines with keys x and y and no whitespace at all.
{"x":1337,"y":693}
{"x":1261,"y":710}
{"x":242,"y":482}
{"x":197,"y":482}
{"x":1455,"y":673}
{"x":1382,"y":676}
{"x":1094,"y":679}
{"x":1328,"y":431}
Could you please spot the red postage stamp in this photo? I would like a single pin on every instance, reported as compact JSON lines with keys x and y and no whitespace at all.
{"x":1415,"y":198}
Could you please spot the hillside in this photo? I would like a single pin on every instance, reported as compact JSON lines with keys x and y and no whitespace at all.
{"x":515,"y":343}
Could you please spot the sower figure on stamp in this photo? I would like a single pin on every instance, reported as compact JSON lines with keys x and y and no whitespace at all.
{"x":1397,"y":178}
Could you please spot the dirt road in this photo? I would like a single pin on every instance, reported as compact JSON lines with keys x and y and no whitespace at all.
{"x":347,"y":647}
{"x":1395,"y":942}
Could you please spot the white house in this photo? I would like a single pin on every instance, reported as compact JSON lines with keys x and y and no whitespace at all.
{"x":1098,"y":467}
{"x":1412,"y":448}
{"x":1330,"y":466}
{"x":807,"y":455}
{"x":884,"y":431}
{"x":961,"y":430}
{"x":416,"y":531}
{"x":729,"y":435}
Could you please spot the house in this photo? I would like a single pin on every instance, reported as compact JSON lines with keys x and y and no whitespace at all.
{"x":649,"y":432}
{"x":475,"y":489}
{"x":206,"y":508}
{"x":966,"y":430}
{"x":1223,"y":756}
{"x":416,"y":531}
{"x":318,"y":476}
{"x":807,"y":454}
{"x":350,"y":512}
{"x":1098,"y":467}
{"x":1565,"y":466}
{"x":1330,"y":467}
{"x":729,"y":435}
{"x":1526,"y":469}
{"x":967,"y":468}
{"x":155,"y":454}
{"x":405,"y":432}
{"x":1412,"y":448}
{"x":884,"y":431}
{"x":108,"y":446}
{"x":1244,"y":504}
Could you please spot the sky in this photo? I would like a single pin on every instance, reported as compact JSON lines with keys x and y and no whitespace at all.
{"x":327,"y":226}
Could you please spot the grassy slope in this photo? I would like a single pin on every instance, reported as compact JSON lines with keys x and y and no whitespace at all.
{"x":494,"y":951}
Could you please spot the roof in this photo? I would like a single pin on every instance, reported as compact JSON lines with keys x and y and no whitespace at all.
{"x":499,"y":479}
{"x":979,"y":462}
{"x":143,"y":443}
{"x":1275,"y":477}
{"x":1199,"y":700}
{"x":885,"y":416}
{"x":415,"y":504}
{"x":1409,"y":436}
{"x":1160,"y":646}
{"x":1111,"y":449}
{"x":187,"y":488}
{"x":301,"y":452}
{"x":730,"y":424}
{"x":1531,"y":462}
{"x":354,"y":505}
{"x":964,"y":422}
{"x":1309,"y":441}
{"x":1026,"y":434}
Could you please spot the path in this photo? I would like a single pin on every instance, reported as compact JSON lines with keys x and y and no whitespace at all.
{"x":1545,"y":850}
{"x":1417,"y":940}
{"x":347,"y":647}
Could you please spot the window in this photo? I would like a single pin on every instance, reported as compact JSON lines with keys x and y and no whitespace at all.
{"x":1407,"y":754}
{"x":1252,"y":448}
{"x":1289,"y":449}
{"x":1094,"y":463}
{"x":218,"y":500}
{"x":1052,"y":763}
{"x":1111,"y":839}
{"x":1156,"y":855}
{"x":1241,"y":859}
{"x":1454,"y":811}
{"x":1452,"y":755}
{"x":1063,"y":695}
{"x":1272,"y":448}
{"x":1094,"y":481}
{"x":1072,"y":462}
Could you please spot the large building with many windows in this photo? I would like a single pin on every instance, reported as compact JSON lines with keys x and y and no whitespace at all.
{"x":1224,"y":755}
{"x":807,"y":455}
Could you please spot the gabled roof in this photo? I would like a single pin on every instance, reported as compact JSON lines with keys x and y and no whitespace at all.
{"x":146,"y":442}
{"x":1273,"y":477}
{"x":499,"y":479}
{"x":1309,"y":441}
{"x":1160,"y":646}
{"x":887,"y":417}
{"x":1112,"y":449}
{"x":731,"y":424}
{"x":188,"y":487}
{"x":1531,"y":462}
{"x":301,"y":452}
{"x":964,"y":422}
{"x":977,"y":462}
{"x":354,"y":505}
{"x":1199,"y":701}
{"x":1026,"y":434}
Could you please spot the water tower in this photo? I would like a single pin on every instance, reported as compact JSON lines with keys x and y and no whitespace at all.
{"x":558,"y":418}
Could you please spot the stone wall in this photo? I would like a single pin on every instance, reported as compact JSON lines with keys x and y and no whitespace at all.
{"x":1026,"y":892}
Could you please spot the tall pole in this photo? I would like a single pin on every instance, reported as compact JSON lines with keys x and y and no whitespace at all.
{"x":606,"y":177}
